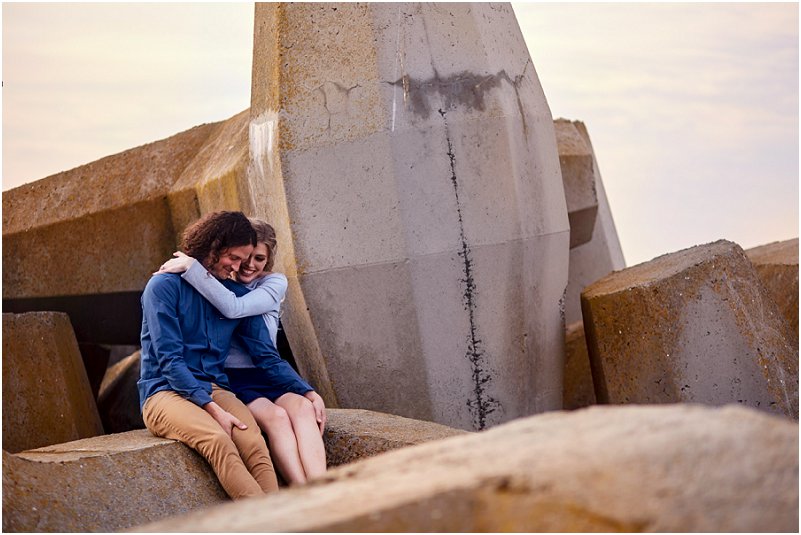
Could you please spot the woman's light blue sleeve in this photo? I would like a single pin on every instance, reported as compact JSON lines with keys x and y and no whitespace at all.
{"x":266,"y":297}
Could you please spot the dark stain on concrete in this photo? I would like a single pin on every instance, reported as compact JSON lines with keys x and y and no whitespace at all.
{"x":481,"y":404}
{"x":464,"y":89}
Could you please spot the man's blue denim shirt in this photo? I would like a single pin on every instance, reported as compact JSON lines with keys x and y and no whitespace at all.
{"x":185,"y":341}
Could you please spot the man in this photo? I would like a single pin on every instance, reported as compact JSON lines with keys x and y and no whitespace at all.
{"x":183,"y":391}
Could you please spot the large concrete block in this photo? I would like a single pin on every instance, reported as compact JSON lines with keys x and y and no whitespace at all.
{"x":578,"y":389}
{"x":578,"y":178}
{"x":354,"y":434}
{"x":696,"y":325}
{"x":118,"y":401}
{"x":111,"y":213}
{"x":123,"y":213}
{"x":677,"y":468}
{"x":414,"y":184}
{"x":100,"y":230}
{"x":104,"y":484}
{"x":118,"y":481}
{"x":777,"y":266}
{"x":218,"y":177}
{"x":602,"y":254}
{"x":46,"y":394}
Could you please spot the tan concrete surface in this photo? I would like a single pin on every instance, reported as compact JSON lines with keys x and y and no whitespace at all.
{"x":217,"y":177}
{"x":777,"y":266}
{"x":579,"y":390}
{"x":46,"y":394}
{"x":104,"y":484}
{"x":670,"y":468}
{"x":124,"y":213}
{"x":602,"y":254}
{"x":118,"y":401}
{"x":578,"y":178}
{"x":111,"y":213}
{"x":695,"y":325}
{"x":117,"y":481}
{"x":414,"y":184}
{"x":354,"y":434}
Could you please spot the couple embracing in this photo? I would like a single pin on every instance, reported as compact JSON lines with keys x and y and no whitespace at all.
{"x":211,"y":375}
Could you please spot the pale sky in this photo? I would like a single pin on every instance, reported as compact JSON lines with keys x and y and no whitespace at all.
{"x":692,"y":108}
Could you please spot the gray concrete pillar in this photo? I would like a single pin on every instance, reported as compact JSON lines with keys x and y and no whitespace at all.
{"x":413,"y":177}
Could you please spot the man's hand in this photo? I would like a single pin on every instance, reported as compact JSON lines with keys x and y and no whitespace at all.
{"x":319,"y":408}
{"x":179,"y":264}
{"x":226,"y":420}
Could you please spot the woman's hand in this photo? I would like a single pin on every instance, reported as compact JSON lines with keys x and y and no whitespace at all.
{"x":319,"y":408}
{"x":179,"y":264}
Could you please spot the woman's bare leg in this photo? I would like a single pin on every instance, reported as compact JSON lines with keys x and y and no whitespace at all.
{"x":275,"y":422}
{"x":309,"y":438}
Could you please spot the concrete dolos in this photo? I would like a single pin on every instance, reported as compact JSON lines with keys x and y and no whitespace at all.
{"x":46,"y":394}
{"x":118,"y":481}
{"x":354,"y":434}
{"x":104,"y":483}
{"x":98,"y":231}
{"x":414,"y":181}
{"x":602,"y":254}
{"x":777,"y":266}
{"x":578,"y":178}
{"x":118,"y":401}
{"x":579,"y":390}
{"x":676,"y":468}
{"x":695,"y":325}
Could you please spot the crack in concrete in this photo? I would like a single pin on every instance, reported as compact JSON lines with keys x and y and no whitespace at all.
{"x":342,"y":90}
{"x":482,"y":405}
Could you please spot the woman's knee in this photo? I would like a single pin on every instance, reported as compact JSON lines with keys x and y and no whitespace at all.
{"x":269,"y":414}
{"x":297,"y":406}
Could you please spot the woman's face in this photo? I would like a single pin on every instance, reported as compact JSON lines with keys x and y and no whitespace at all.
{"x":253,"y":268}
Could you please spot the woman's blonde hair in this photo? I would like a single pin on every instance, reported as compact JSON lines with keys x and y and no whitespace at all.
{"x":265,"y":233}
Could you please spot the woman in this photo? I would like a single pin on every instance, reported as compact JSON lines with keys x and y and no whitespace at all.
{"x":293,"y":423}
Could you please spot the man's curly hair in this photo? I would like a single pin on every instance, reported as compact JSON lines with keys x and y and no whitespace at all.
{"x":213,"y":233}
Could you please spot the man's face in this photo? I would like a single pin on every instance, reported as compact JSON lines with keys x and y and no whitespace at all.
{"x":229,"y":261}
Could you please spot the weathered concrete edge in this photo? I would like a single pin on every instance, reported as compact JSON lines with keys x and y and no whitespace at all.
{"x":34,"y":497}
{"x":104,"y":483}
{"x":404,"y":502}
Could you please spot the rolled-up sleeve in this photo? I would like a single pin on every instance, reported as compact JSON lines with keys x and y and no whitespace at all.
{"x":160,"y":310}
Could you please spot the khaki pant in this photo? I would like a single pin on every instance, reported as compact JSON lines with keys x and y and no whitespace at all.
{"x":242,"y":465}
